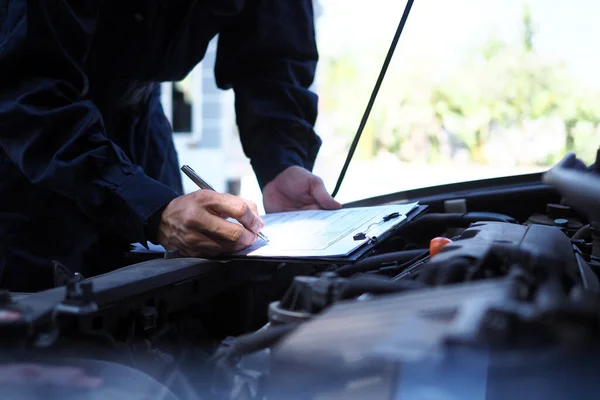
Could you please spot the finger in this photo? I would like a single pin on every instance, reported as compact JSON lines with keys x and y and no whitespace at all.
{"x":235,"y":247}
{"x":311,"y":207}
{"x":206,"y":226}
{"x":226,"y":233}
{"x":211,"y":245}
{"x":230,"y":206}
{"x":321,"y":195}
{"x":211,"y":248}
{"x":253,"y":207}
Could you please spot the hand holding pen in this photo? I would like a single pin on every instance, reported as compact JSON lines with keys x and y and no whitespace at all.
{"x":197,"y":225}
{"x":202,"y":184}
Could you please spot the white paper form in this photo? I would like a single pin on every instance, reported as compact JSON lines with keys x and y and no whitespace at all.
{"x":323,"y":233}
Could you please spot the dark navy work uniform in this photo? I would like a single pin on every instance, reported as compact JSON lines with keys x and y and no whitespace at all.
{"x":86,"y":153}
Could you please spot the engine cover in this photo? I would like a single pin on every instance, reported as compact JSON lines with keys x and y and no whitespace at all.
{"x":401,"y":346}
{"x":412,"y":325}
{"x":406,"y":326}
{"x":366,"y":348}
{"x":546,"y":245}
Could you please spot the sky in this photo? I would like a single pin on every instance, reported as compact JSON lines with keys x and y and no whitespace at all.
{"x":567,"y":30}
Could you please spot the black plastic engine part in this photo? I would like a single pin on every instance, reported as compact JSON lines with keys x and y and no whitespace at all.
{"x":365,"y":340}
{"x":306,"y":296}
{"x":571,"y":225}
{"x":178,"y":283}
{"x":310,"y":295}
{"x":491,"y":248}
{"x":559,"y":215}
{"x":472,"y":328}
{"x":447,"y":220}
{"x":411,"y":323}
{"x":579,"y":185}
{"x":380,"y":261}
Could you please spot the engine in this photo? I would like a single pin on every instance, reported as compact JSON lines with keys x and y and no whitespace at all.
{"x":497,"y":311}
{"x":454,"y":305}
{"x":496,"y":298}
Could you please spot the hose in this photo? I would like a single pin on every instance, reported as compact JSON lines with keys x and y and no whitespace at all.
{"x":582,"y":232}
{"x":375,"y":262}
{"x":254,"y":342}
{"x":370,"y":284}
{"x":457,"y":220}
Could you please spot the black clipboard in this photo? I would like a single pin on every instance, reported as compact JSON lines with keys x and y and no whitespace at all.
{"x":364,"y":250}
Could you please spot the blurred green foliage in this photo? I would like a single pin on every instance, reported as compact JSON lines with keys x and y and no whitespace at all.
{"x":505,"y":104}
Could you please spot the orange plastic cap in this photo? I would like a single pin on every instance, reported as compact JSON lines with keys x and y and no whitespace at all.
{"x":437,"y":244}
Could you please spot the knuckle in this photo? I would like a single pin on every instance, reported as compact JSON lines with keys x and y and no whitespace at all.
{"x":228,"y":197}
{"x":203,"y":195}
{"x":234,"y":235}
{"x":189,"y":238}
{"x":240,"y":209}
{"x":198,"y":194}
{"x":189,"y":218}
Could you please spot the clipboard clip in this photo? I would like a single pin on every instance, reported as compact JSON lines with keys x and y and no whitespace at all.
{"x":360,"y":236}
{"x":391,"y":216}
{"x":385,"y":218}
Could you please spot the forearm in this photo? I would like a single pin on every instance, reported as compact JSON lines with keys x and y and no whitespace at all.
{"x":64,"y":150}
{"x":52,"y":134}
{"x":271,"y":66}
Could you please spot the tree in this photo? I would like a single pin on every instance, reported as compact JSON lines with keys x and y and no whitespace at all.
{"x":502,"y":89}
{"x":507,"y":86}
{"x":528,"y":30}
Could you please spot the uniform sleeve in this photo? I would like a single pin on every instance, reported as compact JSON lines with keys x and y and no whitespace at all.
{"x":268,"y":55}
{"x":51,"y":132}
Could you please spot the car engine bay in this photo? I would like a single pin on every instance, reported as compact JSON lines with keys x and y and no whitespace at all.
{"x":493,"y":302}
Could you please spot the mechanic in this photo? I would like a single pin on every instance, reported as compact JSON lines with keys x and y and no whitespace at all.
{"x":87,"y":159}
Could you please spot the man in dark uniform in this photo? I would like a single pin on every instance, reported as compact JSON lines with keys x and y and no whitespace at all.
{"x":87,"y":161}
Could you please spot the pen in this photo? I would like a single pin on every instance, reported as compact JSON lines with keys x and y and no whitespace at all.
{"x":202,"y":184}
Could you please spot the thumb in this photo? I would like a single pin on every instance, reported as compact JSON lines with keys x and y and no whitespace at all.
{"x":321,"y":195}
